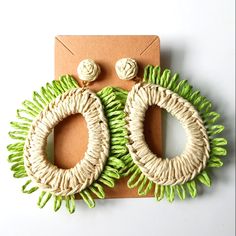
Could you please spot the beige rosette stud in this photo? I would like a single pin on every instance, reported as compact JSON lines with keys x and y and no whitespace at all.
{"x":126,"y":68}
{"x":88,"y":70}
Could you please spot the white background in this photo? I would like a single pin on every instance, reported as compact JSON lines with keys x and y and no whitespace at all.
{"x":197,"y":40}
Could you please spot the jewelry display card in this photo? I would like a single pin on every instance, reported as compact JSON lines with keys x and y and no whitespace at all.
{"x":71,"y":135}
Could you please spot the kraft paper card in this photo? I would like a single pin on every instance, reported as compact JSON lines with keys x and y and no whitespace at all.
{"x":70,"y":135}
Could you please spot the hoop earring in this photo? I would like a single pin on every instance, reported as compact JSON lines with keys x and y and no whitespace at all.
{"x":55,"y":102}
{"x":178,"y":175}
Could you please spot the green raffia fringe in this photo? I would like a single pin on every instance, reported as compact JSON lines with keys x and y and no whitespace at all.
{"x":204,"y":106}
{"x":113,"y":100}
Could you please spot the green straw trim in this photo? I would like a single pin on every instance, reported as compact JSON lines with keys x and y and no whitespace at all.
{"x":159,"y":192}
{"x":204,"y":178}
{"x":170,"y":193}
{"x":31,"y":190}
{"x":70,"y":203}
{"x":142,"y":191}
{"x":57,"y":202}
{"x":180,"y":190}
{"x":88,"y":199}
{"x":215,"y":162}
{"x":43,"y":199}
{"x":97,"y":190}
{"x":192,"y":188}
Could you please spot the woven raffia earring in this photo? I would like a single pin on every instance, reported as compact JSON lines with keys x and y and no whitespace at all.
{"x":55,"y":102}
{"x":176,"y":176}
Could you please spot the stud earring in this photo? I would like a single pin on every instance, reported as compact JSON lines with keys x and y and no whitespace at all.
{"x":126,"y":68}
{"x":178,"y":175}
{"x":88,"y":70}
{"x":56,"y":101}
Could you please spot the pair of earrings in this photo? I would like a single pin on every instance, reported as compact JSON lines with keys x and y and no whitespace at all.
{"x":126,"y":69}
{"x":116,"y":142}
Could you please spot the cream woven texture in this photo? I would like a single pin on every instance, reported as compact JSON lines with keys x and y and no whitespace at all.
{"x":164,"y":171}
{"x":88,"y":70}
{"x":126,"y":68}
{"x":49,"y":177}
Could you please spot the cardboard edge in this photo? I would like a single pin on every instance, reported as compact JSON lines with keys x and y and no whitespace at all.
{"x":155,"y":40}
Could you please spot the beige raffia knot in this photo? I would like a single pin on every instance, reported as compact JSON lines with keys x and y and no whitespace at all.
{"x":88,"y":70}
{"x":181,"y":168}
{"x":49,"y":177}
{"x":126,"y":68}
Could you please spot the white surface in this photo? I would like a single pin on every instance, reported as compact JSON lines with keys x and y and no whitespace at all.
{"x":197,"y":40}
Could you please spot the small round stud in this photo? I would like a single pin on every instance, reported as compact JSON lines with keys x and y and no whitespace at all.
{"x":126,"y":68}
{"x":88,"y":70}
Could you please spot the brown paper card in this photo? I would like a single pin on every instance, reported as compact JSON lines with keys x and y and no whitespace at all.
{"x":70,"y":135}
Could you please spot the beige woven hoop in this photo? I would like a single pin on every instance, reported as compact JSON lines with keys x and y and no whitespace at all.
{"x":181,"y":168}
{"x":49,"y":177}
